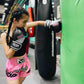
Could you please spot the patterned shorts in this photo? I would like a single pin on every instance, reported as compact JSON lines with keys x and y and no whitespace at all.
{"x":17,"y":67}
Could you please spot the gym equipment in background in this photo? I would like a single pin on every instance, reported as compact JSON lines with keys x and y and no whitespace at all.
{"x":45,"y":42}
{"x":31,"y":30}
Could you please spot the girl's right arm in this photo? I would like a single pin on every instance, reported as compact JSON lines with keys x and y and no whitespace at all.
{"x":8,"y":51}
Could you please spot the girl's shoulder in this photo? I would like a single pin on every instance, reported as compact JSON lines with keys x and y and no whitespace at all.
{"x":3,"y":35}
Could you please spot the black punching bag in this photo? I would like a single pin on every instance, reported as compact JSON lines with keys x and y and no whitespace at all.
{"x":45,"y":43}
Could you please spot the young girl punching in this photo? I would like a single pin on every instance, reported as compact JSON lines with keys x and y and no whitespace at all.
{"x":14,"y":42}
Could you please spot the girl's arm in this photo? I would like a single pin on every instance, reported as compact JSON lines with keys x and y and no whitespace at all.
{"x":46,"y":23}
{"x":8,"y":51}
{"x":35,"y":23}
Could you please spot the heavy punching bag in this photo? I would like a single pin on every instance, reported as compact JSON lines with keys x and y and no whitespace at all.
{"x":72,"y":44}
{"x":45,"y":45}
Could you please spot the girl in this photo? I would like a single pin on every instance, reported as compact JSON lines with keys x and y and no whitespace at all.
{"x":14,"y":42}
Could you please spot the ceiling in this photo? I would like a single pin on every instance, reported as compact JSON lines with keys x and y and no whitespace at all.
{"x":4,"y":9}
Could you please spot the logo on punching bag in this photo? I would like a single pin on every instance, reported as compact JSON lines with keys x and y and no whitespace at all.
{"x":44,"y":2}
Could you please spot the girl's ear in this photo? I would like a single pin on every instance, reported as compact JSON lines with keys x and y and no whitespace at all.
{"x":14,"y":19}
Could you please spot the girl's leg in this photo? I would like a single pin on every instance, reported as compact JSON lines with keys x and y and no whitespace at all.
{"x":21,"y":79}
{"x":17,"y":81}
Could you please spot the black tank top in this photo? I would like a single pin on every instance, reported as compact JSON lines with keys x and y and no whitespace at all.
{"x":22,"y":50}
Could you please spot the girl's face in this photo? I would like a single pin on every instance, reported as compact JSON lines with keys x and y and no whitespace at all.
{"x":22,"y":22}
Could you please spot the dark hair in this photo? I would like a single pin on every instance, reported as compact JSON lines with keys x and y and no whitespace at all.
{"x":17,"y":13}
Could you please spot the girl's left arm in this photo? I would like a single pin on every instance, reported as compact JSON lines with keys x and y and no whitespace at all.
{"x":35,"y":23}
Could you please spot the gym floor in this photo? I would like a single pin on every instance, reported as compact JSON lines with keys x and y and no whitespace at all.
{"x":34,"y":77}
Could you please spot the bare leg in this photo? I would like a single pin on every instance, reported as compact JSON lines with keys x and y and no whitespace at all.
{"x":21,"y":79}
{"x":13,"y":81}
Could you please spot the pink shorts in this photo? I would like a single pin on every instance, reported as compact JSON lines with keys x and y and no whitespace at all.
{"x":17,"y":67}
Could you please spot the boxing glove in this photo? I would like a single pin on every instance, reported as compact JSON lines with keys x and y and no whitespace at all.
{"x":18,"y":38}
{"x":54,"y":25}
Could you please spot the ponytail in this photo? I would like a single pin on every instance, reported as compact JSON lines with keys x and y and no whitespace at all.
{"x":10,"y":23}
